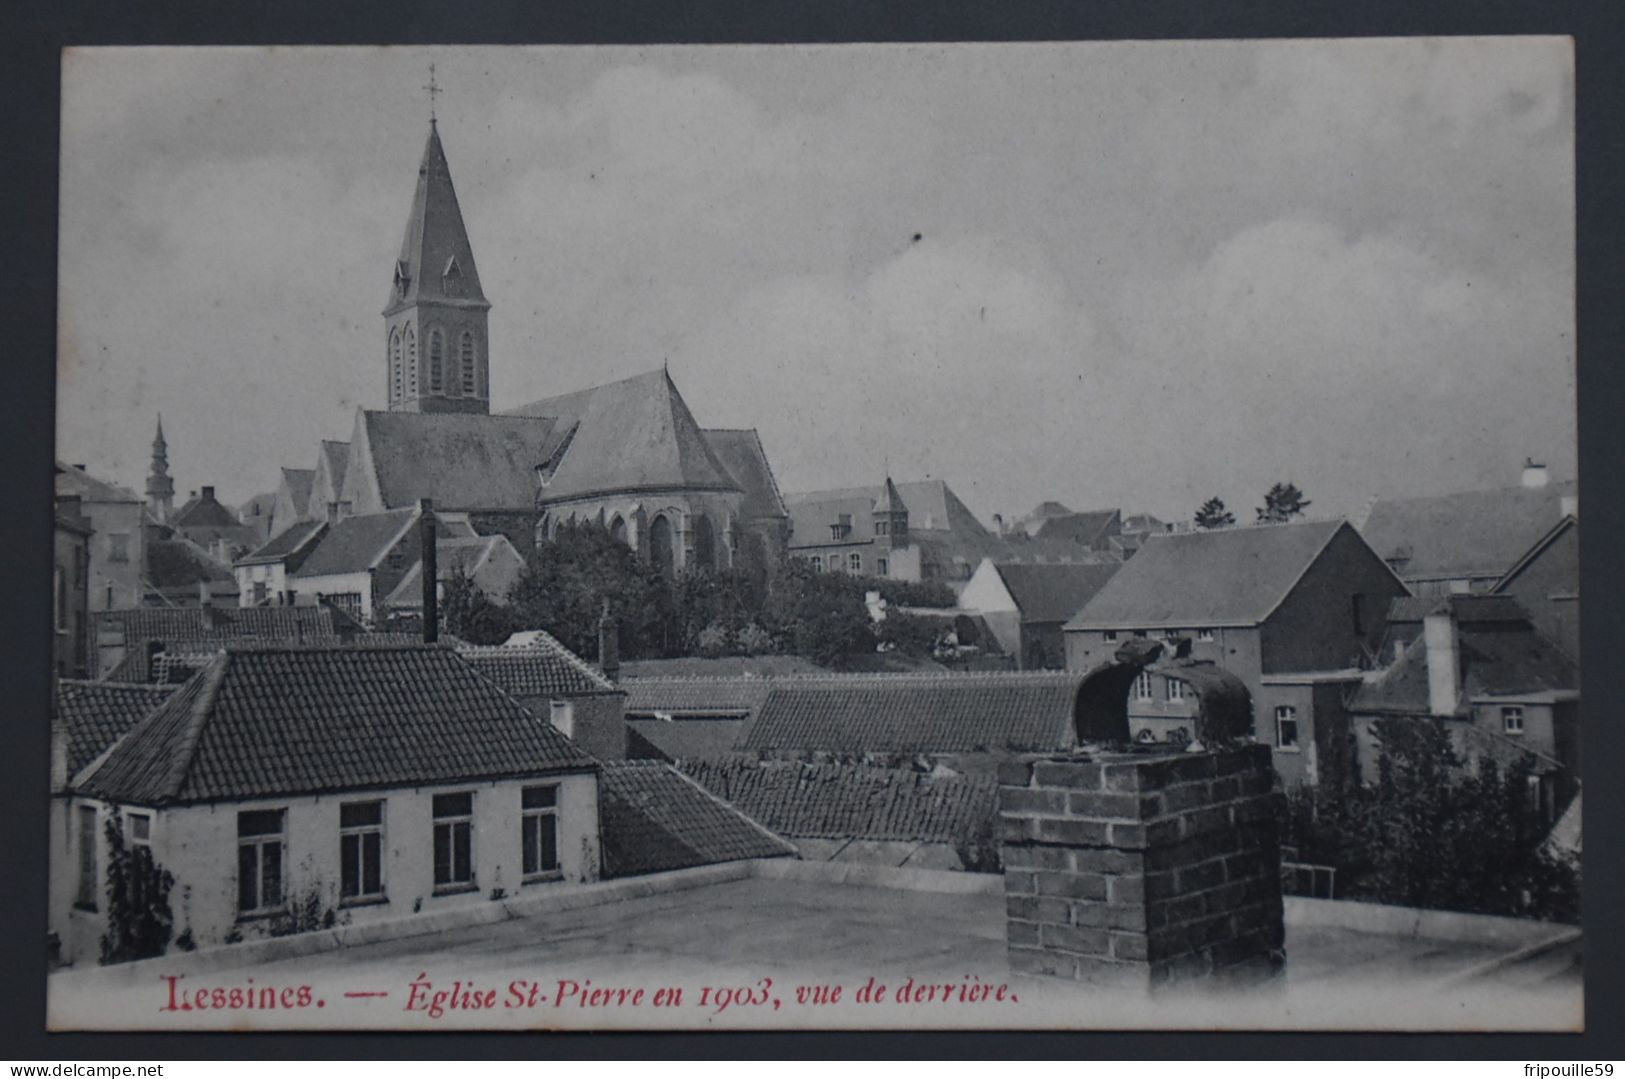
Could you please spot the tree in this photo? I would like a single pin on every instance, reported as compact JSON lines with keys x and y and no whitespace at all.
{"x":1282,"y":503}
{"x":1212,"y":514}
{"x":818,"y":615}
{"x":468,"y":613}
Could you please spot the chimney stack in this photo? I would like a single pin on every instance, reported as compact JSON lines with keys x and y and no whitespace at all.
{"x":208,"y":494}
{"x":609,"y":645}
{"x":1534,"y":473}
{"x":430,"y":572}
{"x":1443,"y":660}
{"x":1568,"y":506}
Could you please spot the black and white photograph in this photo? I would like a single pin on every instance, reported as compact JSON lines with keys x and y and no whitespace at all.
{"x":974,"y":536}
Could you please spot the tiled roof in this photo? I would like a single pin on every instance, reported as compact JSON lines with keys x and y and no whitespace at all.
{"x":1500,"y":658}
{"x":203,"y":512}
{"x":543,"y":669}
{"x":770,"y":666}
{"x":435,"y":235}
{"x":97,"y":714}
{"x":181,"y":564}
{"x":653,"y":819}
{"x":742,"y":454}
{"x":1088,"y":529}
{"x":1466,"y":608}
{"x":1053,"y":592}
{"x":463,"y":461}
{"x":1466,"y":534}
{"x":289,"y":541}
{"x":684,"y":738}
{"x":630,"y":435}
{"x":357,"y":543}
{"x":1223,"y":577}
{"x":184,"y":625}
{"x":918,"y":714}
{"x":696,"y":695}
{"x":74,"y":481}
{"x":298,"y":481}
{"x":272,"y":721}
{"x":842,"y":801}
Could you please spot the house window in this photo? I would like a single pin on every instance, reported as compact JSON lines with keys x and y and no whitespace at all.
{"x":882,"y":567}
{"x":1512,"y":720}
{"x":1142,"y":686}
{"x":118,"y":546}
{"x":1139,"y":633}
{"x":539,"y":831}
{"x":437,"y":360}
{"x":1286,"y":727}
{"x":140,"y":827}
{"x":87,"y":859}
{"x":880,"y":526}
{"x":361,"y":851}
{"x":348,"y":602}
{"x":854,"y":562}
{"x":1109,"y":636}
{"x":1176,"y":689}
{"x":562,"y":715}
{"x":260,"y":594}
{"x":260,"y":844}
{"x":836,"y":532}
{"x":465,"y":360}
{"x":454,"y":840}
{"x":1204,"y":634}
{"x":817,"y":562}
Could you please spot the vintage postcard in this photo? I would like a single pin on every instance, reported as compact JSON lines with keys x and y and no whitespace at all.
{"x":1019,"y":536}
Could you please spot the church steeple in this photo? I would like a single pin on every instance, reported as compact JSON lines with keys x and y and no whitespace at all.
{"x":436,"y":347}
{"x":160,"y":487}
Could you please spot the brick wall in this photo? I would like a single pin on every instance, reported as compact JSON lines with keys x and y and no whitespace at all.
{"x":1142,"y":868}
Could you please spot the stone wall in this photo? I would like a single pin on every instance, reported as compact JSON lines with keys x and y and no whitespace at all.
{"x":1142,"y":868}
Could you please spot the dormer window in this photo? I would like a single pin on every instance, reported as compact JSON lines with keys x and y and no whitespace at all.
{"x":452,"y":269}
{"x":403,"y":277}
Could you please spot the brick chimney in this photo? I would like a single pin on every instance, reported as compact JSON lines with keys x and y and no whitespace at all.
{"x":1443,"y":651}
{"x":430,"y":572}
{"x":609,"y":645}
{"x":208,"y":494}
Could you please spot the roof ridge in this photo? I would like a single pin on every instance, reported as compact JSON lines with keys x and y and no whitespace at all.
{"x":724,"y":803}
{"x":192,"y":734}
{"x":592,"y":673}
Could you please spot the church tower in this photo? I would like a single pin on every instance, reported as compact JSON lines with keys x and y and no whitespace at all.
{"x":437,"y":352}
{"x":160,"y":486}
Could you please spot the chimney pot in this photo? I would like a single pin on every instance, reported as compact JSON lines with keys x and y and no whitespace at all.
{"x":208,"y":494}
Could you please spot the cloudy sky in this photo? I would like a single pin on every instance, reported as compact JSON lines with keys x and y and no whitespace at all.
{"x":1125,"y":275}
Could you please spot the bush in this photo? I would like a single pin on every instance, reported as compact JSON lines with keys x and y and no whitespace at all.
{"x":139,"y":920}
{"x":753,"y":640}
{"x":713,"y":641}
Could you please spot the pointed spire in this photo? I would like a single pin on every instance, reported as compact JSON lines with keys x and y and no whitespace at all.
{"x":158,"y":443}
{"x":160,"y":486}
{"x":436,"y":263}
{"x":890,"y":501}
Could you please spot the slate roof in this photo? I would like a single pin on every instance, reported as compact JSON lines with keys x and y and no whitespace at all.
{"x":1466,"y":608}
{"x":453,"y":555}
{"x":931,"y":506}
{"x":543,"y":669}
{"x":178,"y":564}
{"x":463,"y":461}
{"x":73,"y":481}
{"x":1088,"y":529}
{"x":1223,"y":577}
{"x":357,"y":543}
{"x":203,"y":512}
{"x":741,"y":453}
{"x":898,"y":714}
{"x":281,"y":720}
{"x":298,"y":482}
{"x":435,"y":235}
{"x":287,"y":542}
{"x":841,"y":801}
{"x":96,"y":714}
{"x":1053,"y":592}
{"x":634,"y":434}
{"x":1500,"y":657}
{"x":654,"y":819}
{"x":1466,"y":534}
{"x":336,"y":456}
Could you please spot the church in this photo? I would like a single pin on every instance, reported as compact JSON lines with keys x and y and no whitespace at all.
{"x":628,"y":454}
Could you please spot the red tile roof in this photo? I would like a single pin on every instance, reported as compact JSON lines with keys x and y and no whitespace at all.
{"x":97,"y":714}
{"x":653,"y":819}
{"x":276,"y":721}
{"x":842,"y":801}
{"x":896,"y":714}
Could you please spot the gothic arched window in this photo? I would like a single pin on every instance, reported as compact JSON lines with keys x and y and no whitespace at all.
{"x":437,"y":360}
{"x":396,"y":368}
{"x":465,"y":360}
{"x":411,"y":362}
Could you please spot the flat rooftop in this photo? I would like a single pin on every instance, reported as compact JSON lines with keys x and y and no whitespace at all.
{"x":764,"y":937}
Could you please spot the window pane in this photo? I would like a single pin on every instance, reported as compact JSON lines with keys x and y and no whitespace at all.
{"x":358,"y":814}
{"x":453,"y":805}
{"x":442,"y":853}
{"x":248,"y":877}
{"x":140,"y":826}
{"x":464,"y":868}
{"x":550,"y":842}
{"x":372,"y":863}
{"x":271,"y":868}
{"x":527,"y":844}
{"x":539,"y":797}
{"x":260,"y":822}
{"x":349,"y":865}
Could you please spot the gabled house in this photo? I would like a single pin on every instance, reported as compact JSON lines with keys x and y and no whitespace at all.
{"x":118,"y":552}
{"x":1026,"y":604}
{"x":262,"y":574}
{"x":490,"y":563}
{"x":359,"y":561}
{"x":209,"y":525}
{"x":917,"y":531}
{"x":287,"y":784}
{"x":579,"y":700}
{"x":1479,"y":665}
{"x":179,"y":573}
{"x":1469,"y":540}
{"x":1546,"y":583}
{"x":1092,"y":530}
{"x":1293,"y":610}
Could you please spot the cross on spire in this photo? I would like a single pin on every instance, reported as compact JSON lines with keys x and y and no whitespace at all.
{"x":433,"y":89}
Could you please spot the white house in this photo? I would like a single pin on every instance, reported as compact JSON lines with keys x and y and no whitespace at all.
{"x":289,"y":786}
